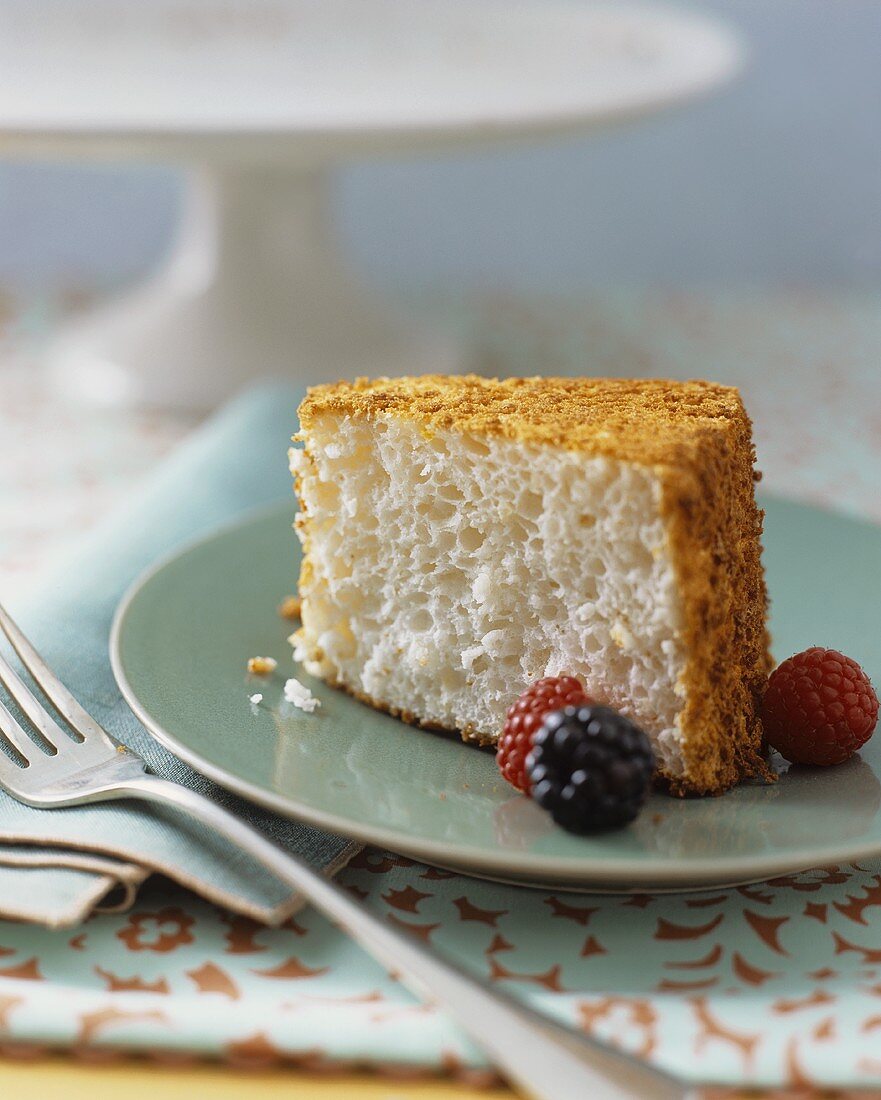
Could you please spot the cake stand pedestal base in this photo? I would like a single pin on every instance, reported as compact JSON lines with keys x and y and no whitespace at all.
{"x":255,"y":287}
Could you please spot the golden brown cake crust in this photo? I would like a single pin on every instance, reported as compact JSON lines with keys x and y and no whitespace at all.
{"x":714,"y":530}
{"x":645,"y":421}
{"x":697,"y":438}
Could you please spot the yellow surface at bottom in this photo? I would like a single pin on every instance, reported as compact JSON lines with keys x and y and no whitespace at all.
{"x":47,"y":1078}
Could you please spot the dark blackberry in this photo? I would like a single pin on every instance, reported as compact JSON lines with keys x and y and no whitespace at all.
{"x":590,"y":767}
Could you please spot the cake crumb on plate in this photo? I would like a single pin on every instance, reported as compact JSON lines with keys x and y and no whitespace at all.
{"x":289,"y":608}
{"x":261,"y":666}
{"x":300,"y":696}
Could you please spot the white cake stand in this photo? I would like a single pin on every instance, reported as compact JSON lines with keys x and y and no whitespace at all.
{"x":259,"y":100}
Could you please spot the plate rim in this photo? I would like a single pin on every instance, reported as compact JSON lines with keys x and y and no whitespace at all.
{"x":540,"y":870}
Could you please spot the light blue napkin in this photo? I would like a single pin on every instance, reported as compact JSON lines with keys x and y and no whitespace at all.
{"x":55,"y":866}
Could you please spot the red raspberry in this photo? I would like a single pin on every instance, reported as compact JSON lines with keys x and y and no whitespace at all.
{"x":819,"y":707}
{"x":524,"y":719}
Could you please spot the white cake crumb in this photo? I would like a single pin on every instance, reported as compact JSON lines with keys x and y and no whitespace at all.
{"x":482,"y":587}
{"x":300,"y":696}
{"x":479,"y":564}
{"x":470,"y":655}
{"x":255,"y":700}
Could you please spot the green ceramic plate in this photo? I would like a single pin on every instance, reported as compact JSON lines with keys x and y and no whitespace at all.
{"x":184,"y":632}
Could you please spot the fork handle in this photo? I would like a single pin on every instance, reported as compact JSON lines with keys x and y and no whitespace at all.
{"x":545,"y":1060}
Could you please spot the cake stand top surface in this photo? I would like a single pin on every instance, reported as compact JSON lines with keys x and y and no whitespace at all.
{"x":345,"y":73}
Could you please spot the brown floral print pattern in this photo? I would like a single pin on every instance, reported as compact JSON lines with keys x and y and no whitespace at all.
{"x":161,"y":932}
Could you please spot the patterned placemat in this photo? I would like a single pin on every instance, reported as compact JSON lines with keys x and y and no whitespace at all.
{"x":775,"y":983}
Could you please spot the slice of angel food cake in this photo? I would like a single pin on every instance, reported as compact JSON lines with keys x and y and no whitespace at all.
{"x":464,"y":536}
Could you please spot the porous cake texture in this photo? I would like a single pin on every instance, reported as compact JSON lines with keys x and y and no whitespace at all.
{"x":464,"y":536}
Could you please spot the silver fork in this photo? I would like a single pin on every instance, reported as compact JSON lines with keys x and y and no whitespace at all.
{"x":84,"y":764}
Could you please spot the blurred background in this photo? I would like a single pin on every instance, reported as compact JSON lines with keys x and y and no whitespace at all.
{"x":775,"y":179}
{"x":737,"y":238}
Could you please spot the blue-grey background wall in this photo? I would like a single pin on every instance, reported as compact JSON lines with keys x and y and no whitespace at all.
{"x":775,"y":180}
